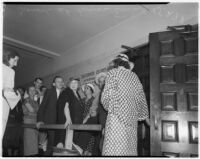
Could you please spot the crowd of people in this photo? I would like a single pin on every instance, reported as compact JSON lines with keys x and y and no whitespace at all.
{"x":115,"y":100}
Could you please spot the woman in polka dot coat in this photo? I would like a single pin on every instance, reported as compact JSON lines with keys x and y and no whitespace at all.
{"x":123,"y":97}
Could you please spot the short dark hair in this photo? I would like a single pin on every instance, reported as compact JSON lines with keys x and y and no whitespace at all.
{"x":54,"y":79}
{"x":8,"y":54}
{"x":42,"y":87}
{"x":74,"y":79}
{"x":38,"y":78}
{"x":119,"y":62}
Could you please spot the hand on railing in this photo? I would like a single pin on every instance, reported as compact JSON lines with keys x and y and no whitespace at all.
{"x":60,"y":145}
{"x":38,"y":124}
{"x":67,"y":123}
{"x":86,"y":153}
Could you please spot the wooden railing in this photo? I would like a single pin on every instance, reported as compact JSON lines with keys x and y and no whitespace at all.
{"x":85,"y":127}
{"x":63,"y":151}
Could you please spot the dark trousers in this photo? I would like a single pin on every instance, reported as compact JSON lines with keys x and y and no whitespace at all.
{"x":50,"y":144}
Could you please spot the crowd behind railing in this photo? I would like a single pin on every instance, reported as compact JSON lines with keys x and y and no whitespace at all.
{"x":115,"y":101}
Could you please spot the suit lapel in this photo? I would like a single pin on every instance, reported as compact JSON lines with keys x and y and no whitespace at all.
{"x":54,"y":93}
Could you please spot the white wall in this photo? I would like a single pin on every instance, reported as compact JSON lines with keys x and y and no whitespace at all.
{"x":96,"y":52}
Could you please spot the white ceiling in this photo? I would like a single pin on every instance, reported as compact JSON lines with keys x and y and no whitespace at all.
{"x":57,"y":28}
{"x":41,"y":33}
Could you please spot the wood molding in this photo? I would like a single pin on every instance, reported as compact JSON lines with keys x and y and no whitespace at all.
{"x":28,"y":47}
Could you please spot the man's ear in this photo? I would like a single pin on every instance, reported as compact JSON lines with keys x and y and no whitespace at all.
{"x":54,"y":84}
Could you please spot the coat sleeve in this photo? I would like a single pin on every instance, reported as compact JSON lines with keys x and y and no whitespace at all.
{"x":25,"y":110}
{"x":63,"y":98}
{"x":109,"y":91}
{"x":61,"y":119}
{"x":8,"y":77}
{"x":43,"y":106}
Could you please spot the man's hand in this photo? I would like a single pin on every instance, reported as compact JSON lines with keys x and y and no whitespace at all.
{"x":60,"y":145}
{"x":38,"y":124}
{"x":87,"y":153}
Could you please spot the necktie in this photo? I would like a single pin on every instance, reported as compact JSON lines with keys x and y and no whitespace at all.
{"x":38,"y":101}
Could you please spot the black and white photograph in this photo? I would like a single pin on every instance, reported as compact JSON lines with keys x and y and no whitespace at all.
{"x":100,"y":79}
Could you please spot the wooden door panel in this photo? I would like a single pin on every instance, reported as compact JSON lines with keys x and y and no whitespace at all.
{"x":174,"y":93}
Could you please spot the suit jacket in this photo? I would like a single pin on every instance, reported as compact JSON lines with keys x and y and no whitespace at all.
{"x":76,"y":112}
{"x":47,"y":112}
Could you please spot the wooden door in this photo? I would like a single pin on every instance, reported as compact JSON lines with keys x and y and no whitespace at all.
{"x":142,"y":70}
{"x":174,"y":93}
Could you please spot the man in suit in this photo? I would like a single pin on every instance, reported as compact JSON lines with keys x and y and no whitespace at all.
{"x":42,"y":133}
{"x":47,"y":113}
{"x":41,"y":94}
